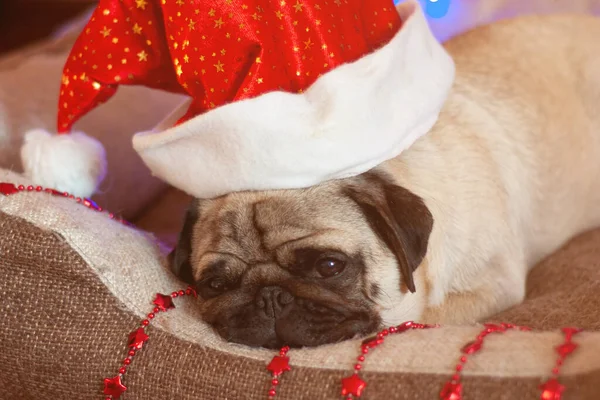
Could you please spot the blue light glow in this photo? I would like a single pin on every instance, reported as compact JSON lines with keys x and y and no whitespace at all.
{"x":444,"y":16}
{"x":434,"y":8}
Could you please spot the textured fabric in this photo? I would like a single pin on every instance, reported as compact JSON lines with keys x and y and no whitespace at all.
{"x":63,"y":332}
{"x":75,"y":283}
{"x":564,"y":290}
{"x":133,"y":272}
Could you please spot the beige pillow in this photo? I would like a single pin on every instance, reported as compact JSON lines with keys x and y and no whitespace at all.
{"x":75,"y":283}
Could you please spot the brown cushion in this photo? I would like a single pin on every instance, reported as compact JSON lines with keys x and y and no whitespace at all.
{"x":563,"y":290}
{"x":74,"y":284}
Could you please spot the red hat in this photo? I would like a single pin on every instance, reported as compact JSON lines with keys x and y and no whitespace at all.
{"x":283,"y":93}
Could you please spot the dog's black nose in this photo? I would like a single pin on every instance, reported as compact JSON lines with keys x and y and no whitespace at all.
{"x":273,"y":300}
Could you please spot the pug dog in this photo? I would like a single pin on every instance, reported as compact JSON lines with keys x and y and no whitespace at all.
{"x":444,"y":233}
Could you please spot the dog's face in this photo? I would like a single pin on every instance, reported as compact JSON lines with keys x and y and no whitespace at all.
{"x":305,"y":267}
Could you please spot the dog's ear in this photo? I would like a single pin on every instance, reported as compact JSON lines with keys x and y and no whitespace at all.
{"x":399,"y":217}
{"x":180,"y":257}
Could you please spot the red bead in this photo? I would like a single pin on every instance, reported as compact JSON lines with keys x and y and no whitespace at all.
{"x":181,"y":292}
{"x":192,"y":291}
{"x":114,"y":387}
{"x":490,"y":328}
{"x":145,"y":322}
{"x":78,"y":200}
{"x":275,"y":382}
{"x":131,"y":353}
{"x":385,"y":332}
{"x":137,"y":339}
{"x":122,"y":370}
{"x":370,"y":344}
{"x":555,"y":371}
{"x":272,"y":392}
{"x":365,"y":350}
{"x":451,"y":391}
{"x":404,"y":326}
{"x":565,"y":349}
{"x":174,"y":294}
{"x":188,"y":291}
{"x":127,"y":361}
{"x":8,"y":188}
{"x":111,"y":215}
{"x":361,"y":358}
{"x":569,"y":332}
{"x":459,"y":367}
{"x":151,"y":315}
{"x":163,"y":302}
{"x":552,"y":390}
{"x":472,"y":347}
{"x":286,"y":348}
{"x":21,"y":187}
{"x":463,"y":359}
{"x":357,"y":367}
{"x":38,"y":188}
{"x":279,"y":365}
{"x":456,"y":377}
{"x":392,"y":329}
{"x":30,"y":188}
{"x":353,"y":385}
{"x":155,"y":310}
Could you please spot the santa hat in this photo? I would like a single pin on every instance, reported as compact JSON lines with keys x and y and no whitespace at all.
{"x":283,"y":93}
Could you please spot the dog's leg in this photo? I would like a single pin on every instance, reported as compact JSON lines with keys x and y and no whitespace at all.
{"x":500,"y":286}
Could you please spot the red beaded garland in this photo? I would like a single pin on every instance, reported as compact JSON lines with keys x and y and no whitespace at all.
{"x":7,"y":189}
{"x":113,"y":387}
{"x":452,"y":390}
{"x":278,"y":365}
{"x":552,"y":389}
{"x":352,"y":386}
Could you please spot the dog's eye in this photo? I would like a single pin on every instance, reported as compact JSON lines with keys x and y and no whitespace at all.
{"x":216,"y":284}
{"x":328,"y":267}
{"x":212,"y":288}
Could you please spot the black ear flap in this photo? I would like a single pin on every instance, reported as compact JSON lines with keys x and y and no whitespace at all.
{"x":400,"y":219}
{"x":180,"y":257}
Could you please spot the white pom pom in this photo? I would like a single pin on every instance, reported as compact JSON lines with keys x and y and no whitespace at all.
{"x":74,"y":163}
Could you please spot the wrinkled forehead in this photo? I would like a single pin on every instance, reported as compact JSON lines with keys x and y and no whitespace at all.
{"x":253,"y":225}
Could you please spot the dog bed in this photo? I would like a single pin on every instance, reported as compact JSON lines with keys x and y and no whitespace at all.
{"x":75,"y":283}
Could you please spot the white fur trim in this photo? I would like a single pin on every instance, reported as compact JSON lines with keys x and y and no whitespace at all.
{"x":74,"y":163}
{"x":350,"y":120}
